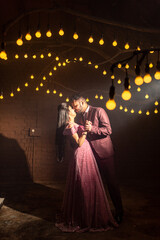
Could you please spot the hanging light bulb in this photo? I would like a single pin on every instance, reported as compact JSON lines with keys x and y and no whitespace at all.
{"x":18,"y":89}
{"x":54,"y":68}
{"x":41,"y":84}
{"x":1,"y":96}
{"x":111,"y":104}
{"x":44,"y":78}
{"x":114,"y":43}
{"x":16,"y":56}
{"x":157,"y":74}
{"x":19,"y":41}
{"x":147,"y":113}
{"x":138,"y":89}
{"x":119,"y":65}
{"x":101,"y":41}
{"x":127,"y":66}
{"x":87,"y":99}
{"x":96,"y":66}
{"x":60,"y":95}
{"x":156,"y":103}
{"x":127,"y":46}
{"x":104,"y":72}
{"x":155,"y":111}
{"x":59,"y":64}
{"x":54,"y":91}
{"x":49,"y":54}
{"x":138,"y":48}
{"x":120,"y":107}
{"x":50,"y":73}
{"x":49,"y":33}
{"x":32,"y":76}
{"x":140,"y":111}
{"x":75,"y":36}
{"x":38,"y":34}
{"x":61,"y":32}
{"x":67,"y":99}
{"x":91,"y":40}
{"x":119,"y":81}
{"x":80,"y":59}
{"x":146,"y":96}
{"x":37,"y":89}
{"x":125,"y":109}
{"x":41,"y":56}
{"x":26,"y":55}
{"x":57,"y":58}
{"x":3,"y":54}
{"x":28,"y":36}
{"x":89,"y":63}
{"x":26,"y":84}
{"x":147,"y":78}
{"x":34,"y":56}
{"x":96,"y":96}
{"x":151,"y":65}
{"x":126,"y":95}
{"x":132,"y":110}
{"x":138,"y":80}
{"x":12,"y":94}
{"x":48,"y":91}
{"x":101,"y":97}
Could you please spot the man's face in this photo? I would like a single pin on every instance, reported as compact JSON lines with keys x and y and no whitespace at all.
{"x":78,"y":106}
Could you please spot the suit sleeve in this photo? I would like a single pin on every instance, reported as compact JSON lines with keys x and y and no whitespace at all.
{"x":103,"y":127}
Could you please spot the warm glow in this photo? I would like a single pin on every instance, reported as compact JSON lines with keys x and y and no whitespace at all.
{"x":138,"y":48}
{"x":127,"y":66}
{"x":41,"y":56}
{"x":19,"y":41}
{"x":75,"y":36}
{"x":3,"y":54}
{"x":80,"y":59}
{"x":18,"y":89}
{"x":132,"y":110}
{"x":96,"y":96}
{"x":147,"y":78}
{"x":151,"y":65}
{"x":25,"y":56}
{"x":101,"y":41}
{"x":147,"y":113}
{"x":26,"y":84}
{"x":112,"y":76}
{"x":104,"y":72}
{"x":38,"y":34}
{"x":114,"y":43}
{"x":157,"y":75}
{"x":41,"y":84}
{"x":59,"y":64}
{"x":61,"y":32}
{"x":119,"y":81}
{"x":54,"y":91}
{"x":34,"y":56}
{"x":111,"y":104}
{"x":89,"y":63}
{"x":57,"y":58}
{"x":50,"y":73}
{"x":60,"y":95}
{"x":67,"y":99}
{"x":156,"y":103}
{"x":119,"y":65}
{"x":16,"y":56}
{"x":44,"y":78}
{"x":120,"y":107}
{"x":96,"y":66}
{"x":49,"y":54}
{"x":87,"y":99}
{"x":12,"y":94}
{"x":32,"y":76}
{"x":1,"y":96}
{"x":55,"y":68}
{"x":146,"y":96}
{"x":67,"y":60}
{"x":140,"y":112}
{"x":101,"y":97}
{"x":127,"y":46}
{"x":48,"y":91}
{"x":138,"y":89}
{"x":28,"y":37}
{"x":138,"y":80}
{"x":156,"y":111}
{"x":37,"y":89}
{"x":125,"y":110}
{"x":75,"y":59}
{"x":126,"y":95}
{"x":49,"y":33}
{"x":90,"y":40}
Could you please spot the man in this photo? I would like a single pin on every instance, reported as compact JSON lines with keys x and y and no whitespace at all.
{"x":97,"y":123}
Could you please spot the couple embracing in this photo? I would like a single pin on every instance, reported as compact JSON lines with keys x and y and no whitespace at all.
{"x":85,"y":205}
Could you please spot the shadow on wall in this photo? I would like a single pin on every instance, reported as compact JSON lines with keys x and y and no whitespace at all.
{"x":13,"y":162}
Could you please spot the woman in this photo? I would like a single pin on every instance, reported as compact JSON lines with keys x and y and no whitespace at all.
{"x":85,"y":206}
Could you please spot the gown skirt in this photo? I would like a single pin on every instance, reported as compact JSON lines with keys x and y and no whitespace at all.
{"x":85,"y":206}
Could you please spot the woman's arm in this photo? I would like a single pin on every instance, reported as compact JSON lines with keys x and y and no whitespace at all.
{"x":79,"y":140}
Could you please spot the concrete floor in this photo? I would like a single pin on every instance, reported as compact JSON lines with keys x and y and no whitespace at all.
{"x":29,"y":212}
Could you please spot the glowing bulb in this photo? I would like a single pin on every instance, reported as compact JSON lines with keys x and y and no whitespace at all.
{"x":57,"y":58}
{"x":80,"y":59}
{"x":125,"y":110}
{"x":25,"y":56}
{"x":111,"y":104}
{"x":155,"y":111}
{"x":3,"y":54}
{"x":41,"y":56}
{"x":32,"y":77}
{"x":75,"y":59}
{"x":112,"y":76}
{"x":67,"y":60}
{"x":64,"y":64}
{"x":12,"y":94}
{"x":18,"y":89}
{"x":55,"y":68}
{"x":59,"y":64}
{"x":138,"y":89}
{"x":138,"y":48}
{"x":60,"y":95}
{"x":147,"y":113}
{"x":67,"y":99}
{"x":96,"y":66}
{"x":126,"y":95}
{"x":38,"y":34}
{"x":114,"y":43}
{"x":140,"y":111}
{"x":90,"y":40}
{"x":147,"y":78}
{"x":49,"y":54}
{"x":49,"y":33}
{"x":26,"y":84}
{"x":156,"y":103}
{"x":119,"y":81}
{"x":50,"y":73}
{"x":54,"y":91}
{"x":127,"y":46}
{"x":138,"y":80}
{"x":151,"y":65}
{"x":34,"y":56}
{"x":146,"y":96}
{"x":87,"y":99}
{"x":89,"y":63}
{"x":104,"y":72}
{"x":101,"y":97}
{"x":75,"y":36}
{"x":44,"y":78}
{"x":127,"y":66}
{"x":16,"y":56}
{"x":37,"y":89}
{"x":132,"y":110}
{"x":96,"y":97}
{"x":28,"y":37}
{"x":1,"y":96}
{"x":119,"y":65}
{"x":41,"y":84}
{"x":19,"y":41}
{"x":101,"y":41}
{"x":48,"y":91}
{"x":120,"y":107}
{"x":61,"y":32}
{"x":151,"y":51}
{"x":157,"y":75}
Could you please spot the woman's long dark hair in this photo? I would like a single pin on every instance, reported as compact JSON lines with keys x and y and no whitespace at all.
{"x":62,"y":119}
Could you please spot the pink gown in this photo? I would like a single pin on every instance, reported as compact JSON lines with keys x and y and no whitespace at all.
{"x":85,"y":206}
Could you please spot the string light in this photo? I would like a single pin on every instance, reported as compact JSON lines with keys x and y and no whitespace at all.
{"x":34,"y":56}
{"x":90,"y":40}
{"x":87,"y":99}
{"x":156,"y":103}
{"x":49,"y":33}
{"x":41,"y":56}
{"x":61,"y":32}
{"x":28,"y":36}
{"x":67,"y":99}
{"x":104,"y":72}
{"x":146,"y":96}
{"x":119,"y":81}
{"x":101,"y":97}
{"x":119,"y":65}
{"x":12,"y":94}
{"x":60,"y":95}
{"x":75,"y":36}
{"x":126,"y":95}
{"x":96,"y":96}
{"x":114,"y":43}
{"x":140,"y":111}
{"x":120,"y":107}
{"x":138,"y":80}
{"x":18,"y":89}
{"x":48,"y":91}
{"x":157,"y":74}
{"x":41,"y":84}
{"x":38,"y":34}
{"x":37,"y":89}
{"x":49,"y":54}
{"x":127,"y":46}
{"x":96,"y":66}
{"x":26,"y":84}
{"x":138,"y":89}
{"x":57,"y":58}
{"x":19,"y":41}
{"x":101,"y":41}
{"x":111,"y":104}
{"x":32,"y":76}
{"x":156,"y":111}
{"x":54,"y":91}
{"x":16,"y":56}
{"x":147,"y":113}
{"x":80,"y":59}
{"x":125,"y":109}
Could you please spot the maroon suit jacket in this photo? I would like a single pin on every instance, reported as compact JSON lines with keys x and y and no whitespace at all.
{"x":99,"y":136}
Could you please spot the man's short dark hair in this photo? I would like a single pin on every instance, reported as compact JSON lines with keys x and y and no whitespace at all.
{"x":76,"y":97}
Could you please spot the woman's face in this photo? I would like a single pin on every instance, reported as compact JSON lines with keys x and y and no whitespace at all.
{"x":72,"y":113}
